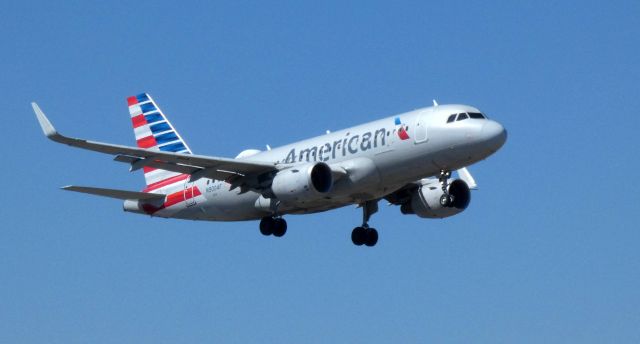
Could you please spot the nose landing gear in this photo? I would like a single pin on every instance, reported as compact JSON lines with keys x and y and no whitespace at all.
{"x":446,"y":200}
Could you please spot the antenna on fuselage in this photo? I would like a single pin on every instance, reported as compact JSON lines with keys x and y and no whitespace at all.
{"x":435,"y":103}
{"x":268,"y":147}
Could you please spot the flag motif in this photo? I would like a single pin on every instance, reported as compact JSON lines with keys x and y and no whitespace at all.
{"x":154,"y":132}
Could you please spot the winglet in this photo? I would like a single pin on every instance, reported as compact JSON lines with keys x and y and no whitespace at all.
{"x":45,"y":124}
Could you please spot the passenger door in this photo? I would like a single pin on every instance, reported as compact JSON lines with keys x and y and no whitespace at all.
{"x":189,"y":194}
{"x":420,"y":132}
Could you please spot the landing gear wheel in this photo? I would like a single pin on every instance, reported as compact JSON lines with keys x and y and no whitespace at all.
{"x":266,"y":226}
{"x":446,"y":200}
{"x":358,"y":236}
{"x":279,"y":227}
{"x":371,"y":237}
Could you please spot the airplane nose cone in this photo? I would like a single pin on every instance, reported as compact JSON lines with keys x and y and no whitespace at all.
{"x":494,"y":134}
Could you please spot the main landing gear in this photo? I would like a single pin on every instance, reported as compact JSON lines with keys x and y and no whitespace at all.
{"x":362,"y":235}
{"x":446,"y":200}
{"x":365,"y":235}
{"x":273,"y":225}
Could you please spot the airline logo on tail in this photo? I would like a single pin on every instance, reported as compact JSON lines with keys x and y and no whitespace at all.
{"x":153,"y":131}
{"x":151,"y":126}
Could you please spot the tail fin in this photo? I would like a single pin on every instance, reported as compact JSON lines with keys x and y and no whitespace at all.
{"x":153,"y":131}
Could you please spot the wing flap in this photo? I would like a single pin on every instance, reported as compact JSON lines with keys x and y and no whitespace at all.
{"x":113,"y":193}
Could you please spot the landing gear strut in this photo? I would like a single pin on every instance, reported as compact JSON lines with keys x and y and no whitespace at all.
{"x":365,"y":235}
{"x":446,"y":199}
{"x":273,"y":225}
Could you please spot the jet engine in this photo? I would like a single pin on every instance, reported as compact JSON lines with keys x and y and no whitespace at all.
{"x":425,"y":201}
{"x":304,"y":183}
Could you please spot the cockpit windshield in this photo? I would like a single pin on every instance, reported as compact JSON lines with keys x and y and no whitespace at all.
{"x":464,"y":115}
{"x":476,"y":115}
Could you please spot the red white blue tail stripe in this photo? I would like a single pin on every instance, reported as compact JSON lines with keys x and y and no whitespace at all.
{"x":154,"y":132}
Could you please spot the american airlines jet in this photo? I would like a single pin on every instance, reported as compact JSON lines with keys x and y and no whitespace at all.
{"x":406,"y":159}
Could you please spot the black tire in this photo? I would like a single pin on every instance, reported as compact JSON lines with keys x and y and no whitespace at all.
{"x":266,"y":226}
{"x":358,"y":236}
{"x":279,"y":227}
{"x":371,"y":237}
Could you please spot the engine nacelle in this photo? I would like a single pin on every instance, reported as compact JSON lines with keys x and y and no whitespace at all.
{"x":425,"y":201}
{"x":301,"y":184}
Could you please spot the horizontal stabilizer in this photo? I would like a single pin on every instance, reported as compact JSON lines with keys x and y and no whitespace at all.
{"x":119,"y":194}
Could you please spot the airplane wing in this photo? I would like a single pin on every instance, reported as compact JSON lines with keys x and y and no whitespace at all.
{"x":196,"y":165}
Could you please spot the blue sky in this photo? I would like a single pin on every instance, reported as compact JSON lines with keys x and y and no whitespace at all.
{"x":548,"y":251}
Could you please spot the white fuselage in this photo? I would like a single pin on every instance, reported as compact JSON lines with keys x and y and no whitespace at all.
{"x":377,"y":158}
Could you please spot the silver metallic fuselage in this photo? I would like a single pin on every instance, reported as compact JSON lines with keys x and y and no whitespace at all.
{"x":377,"y":160}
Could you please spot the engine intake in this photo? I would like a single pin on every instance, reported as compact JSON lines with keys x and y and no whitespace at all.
{"x":301,"y":184}
{"x":425,"y":201}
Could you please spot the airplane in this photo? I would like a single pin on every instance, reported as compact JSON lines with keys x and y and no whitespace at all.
{"x":406,"y":159}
